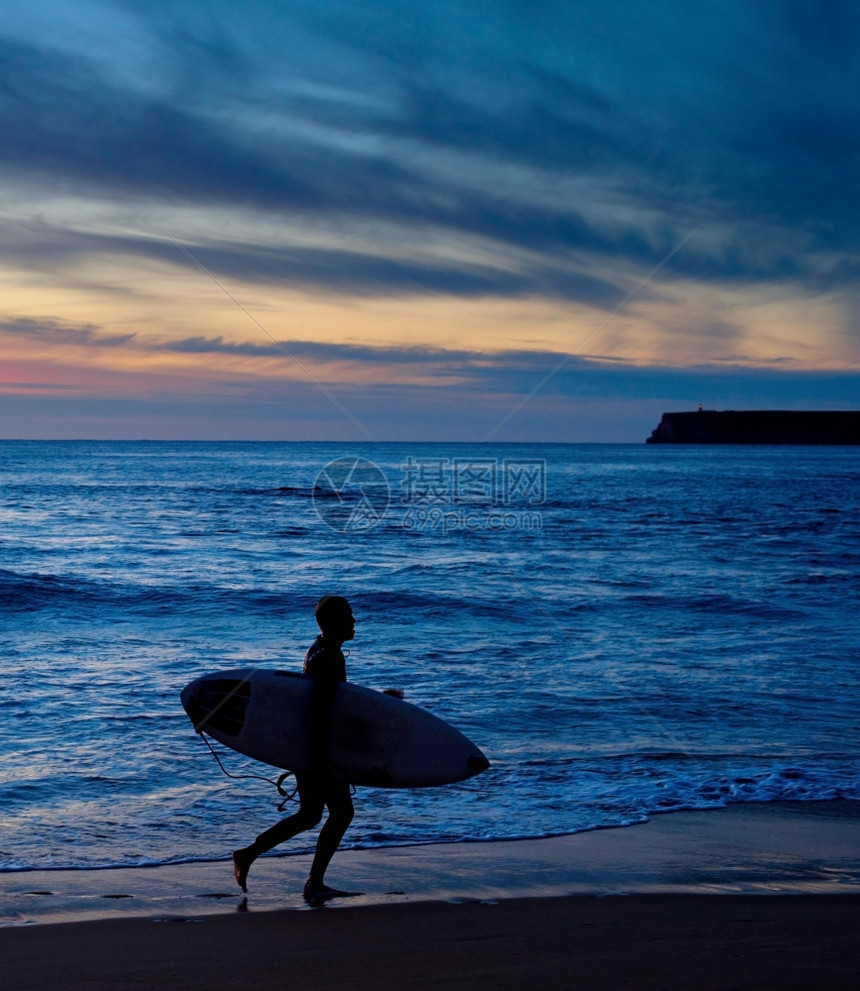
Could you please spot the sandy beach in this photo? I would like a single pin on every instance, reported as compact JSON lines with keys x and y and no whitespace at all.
{"x":641,"y":941}
{"x":751,"y":896}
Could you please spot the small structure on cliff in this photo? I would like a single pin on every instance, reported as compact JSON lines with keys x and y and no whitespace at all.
{"x":706,"y":426}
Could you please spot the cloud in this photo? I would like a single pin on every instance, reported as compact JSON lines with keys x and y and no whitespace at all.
{"x":60,"y":116}
{"x":396,"y":370}
{"x":759,"y":145}
{"x":55,"y":332}
{"x":520,"y":152}
{"x":350,"y":272}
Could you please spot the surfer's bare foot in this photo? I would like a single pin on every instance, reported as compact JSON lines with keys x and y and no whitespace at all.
{"x":316,"y":893}
{"x":241,"y":865}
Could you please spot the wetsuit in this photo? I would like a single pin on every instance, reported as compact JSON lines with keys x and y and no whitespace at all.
{"x":324,"y":662}
{"x":325,"y":666}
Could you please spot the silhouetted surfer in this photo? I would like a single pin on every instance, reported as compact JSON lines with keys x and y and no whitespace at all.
{"x":325,"y":665}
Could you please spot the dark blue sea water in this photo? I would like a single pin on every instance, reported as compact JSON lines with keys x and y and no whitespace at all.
{"x":624,"y":630}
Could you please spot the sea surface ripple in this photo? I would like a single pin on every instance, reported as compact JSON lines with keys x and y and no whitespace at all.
{"x":624,"y":630}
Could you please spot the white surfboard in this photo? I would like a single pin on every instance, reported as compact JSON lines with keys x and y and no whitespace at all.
{"x":374,"y":739}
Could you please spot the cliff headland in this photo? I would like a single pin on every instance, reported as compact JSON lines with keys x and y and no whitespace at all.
{"x":707,"y":426}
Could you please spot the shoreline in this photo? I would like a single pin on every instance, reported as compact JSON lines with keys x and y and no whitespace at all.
{"x":747,"y":897}
{"x":768,"y":848}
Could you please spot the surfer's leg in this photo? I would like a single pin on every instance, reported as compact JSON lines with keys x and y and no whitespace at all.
{"x":311,"y":804}
{"x":339,"y":803}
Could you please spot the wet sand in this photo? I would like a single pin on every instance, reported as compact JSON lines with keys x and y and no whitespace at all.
{"x":752,"y":896}
{"x":639,"y":941}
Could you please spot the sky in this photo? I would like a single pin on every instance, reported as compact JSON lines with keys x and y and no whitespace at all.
{"x":453,"y":221}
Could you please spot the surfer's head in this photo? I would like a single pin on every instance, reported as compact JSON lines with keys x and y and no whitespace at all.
{"x":334,"y":617}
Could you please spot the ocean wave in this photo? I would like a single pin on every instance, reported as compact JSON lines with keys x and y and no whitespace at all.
{"x":669,"y":601}
{"x":34,"y":592}
{"x":385,"y":840}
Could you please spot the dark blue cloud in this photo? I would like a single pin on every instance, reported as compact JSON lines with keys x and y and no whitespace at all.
{"x":456,"y":373}
{"x":55,"y":331}
{"x":586,"y":135}
{"x":515,"y":373}
{"x":61,"y":118}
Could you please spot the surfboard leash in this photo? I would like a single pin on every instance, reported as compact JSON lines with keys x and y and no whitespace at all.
{"x":289,"y":796}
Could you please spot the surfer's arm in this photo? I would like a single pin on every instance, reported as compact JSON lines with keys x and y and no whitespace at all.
{"x":395,"y":693}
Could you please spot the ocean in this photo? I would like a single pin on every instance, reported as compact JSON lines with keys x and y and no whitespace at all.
{"x":624,"y":630}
